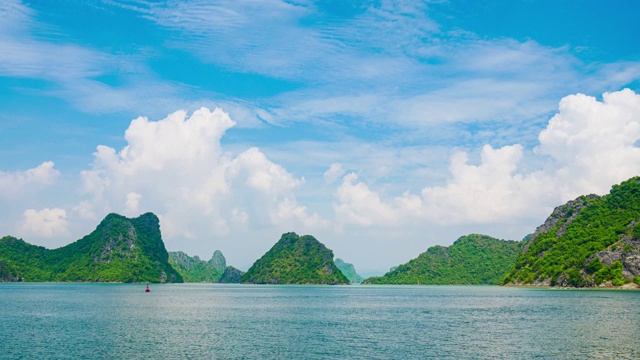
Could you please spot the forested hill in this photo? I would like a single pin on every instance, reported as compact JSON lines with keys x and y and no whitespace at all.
{"x":349,"y":271}
{"x":296,"y":260}
{"x":589,"y":241}
{"x":472,"y":259}
{"x":118,"y":250}
{"x":194,"y":269}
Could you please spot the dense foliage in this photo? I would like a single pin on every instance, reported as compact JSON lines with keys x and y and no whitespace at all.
{"x":231,"y":275}
{"x":472,"y":259}
{"x":119,"y":250}
{"x":193,"y":269}
{"x":567,"y":254}
{"x":349,"y":271}
{"x":296,"y":260}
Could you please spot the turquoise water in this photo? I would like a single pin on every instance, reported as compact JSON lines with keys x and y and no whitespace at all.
{"x":90,"y":321}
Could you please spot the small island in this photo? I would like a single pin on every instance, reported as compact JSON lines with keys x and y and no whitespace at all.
{"x":296,"y":260}
{"x":473,"y":259}
{"x":118,"y":250}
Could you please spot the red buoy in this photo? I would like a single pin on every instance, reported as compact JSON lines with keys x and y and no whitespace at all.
{"x":147,"y":290}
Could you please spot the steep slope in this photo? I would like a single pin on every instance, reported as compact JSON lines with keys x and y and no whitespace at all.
{"x":589,"y":241}
{"x":218,"y":262}
{"x":119,"y":250}
{"x":349,"y":271}
{"x":21,"y":261}
{"x":296,"y":260}
{"x":193,"y":269}
{"x":472,"y":259}
{"x":231,"y":275}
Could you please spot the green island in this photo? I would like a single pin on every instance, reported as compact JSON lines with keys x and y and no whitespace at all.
{"x":349,"y":271}
{"x":118,"y":250}
{"x":590,"y":241}
{"x":193,"y":269}
{"x":472,"y":259}
{"x":296,"y":260}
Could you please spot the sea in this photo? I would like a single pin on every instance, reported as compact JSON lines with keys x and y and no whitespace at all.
{"x":216,"y":321}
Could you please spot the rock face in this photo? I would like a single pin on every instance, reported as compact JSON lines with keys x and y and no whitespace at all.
{"x":296,"y":260}
{"x":7,"y":273}
{"x":349,"y":271}
{"x":472,"y":259}
{"x":590,"y":241}
{"x":119,"y":250}
{"x":231,"y":275}
{"x":193,"y":269}
{"x":218,"y":261}
{"x":565,"y":213}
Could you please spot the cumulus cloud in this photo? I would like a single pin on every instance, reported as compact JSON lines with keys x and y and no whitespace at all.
{"x":131,"y":205}
{"x":178,"y":166}
{"x":14,"y":183}
{"x":45,"y":223}
{"x":591,"y":145}
{"x":334,"y":172}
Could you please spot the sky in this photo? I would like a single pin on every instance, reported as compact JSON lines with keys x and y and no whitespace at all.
{"x":380,"y":127}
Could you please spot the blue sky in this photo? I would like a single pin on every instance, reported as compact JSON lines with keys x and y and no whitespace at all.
{"x":380,"y":127}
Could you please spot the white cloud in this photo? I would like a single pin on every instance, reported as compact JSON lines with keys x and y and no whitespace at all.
{"x":84,"y":210}
{"x":44,"y":223}
{"x":15,"y":183}
{"x":357,"y":204}
{"x":333,"y":173}
{"x":178,"y":166}
{"x":493,"y":191}
{"x":593,"y":142}
{"x":592,"y":145}
{"x":132,"y":203}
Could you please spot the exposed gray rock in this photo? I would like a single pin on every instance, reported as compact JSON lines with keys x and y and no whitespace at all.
{"x":6,"y":275}
{"x":218,"y":261}
{"x":568,"y":211}
{"x":231,"y":275}
{"x":627,"y":252}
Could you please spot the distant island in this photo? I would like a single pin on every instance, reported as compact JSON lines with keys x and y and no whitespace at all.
{"x":349,"y":271}
{"x":296,"y":260}
{"x":472,"y":259}
{"x":591,"y":241}
{"x":193,"y":269}
{"x":118,"y":250}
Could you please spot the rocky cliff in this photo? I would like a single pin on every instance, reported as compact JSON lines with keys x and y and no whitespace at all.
{"x":231,"y":275}
{"x":589,"y":241}
{"x":193,"y":269}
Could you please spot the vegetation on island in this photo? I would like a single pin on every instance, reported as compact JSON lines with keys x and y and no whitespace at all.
{"x":589,"y":241}
{"x":193,"y":269}
{"x":231,"y":275}
{"x":296,"y":260}
{"x":349,"y":271}
{"x":118,"y":250}
{"x":472,"y":259}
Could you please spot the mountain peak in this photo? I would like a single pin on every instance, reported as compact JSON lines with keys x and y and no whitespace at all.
{"x":589,"y":241}
{"x":118,"y":250}
{"x":296,"y":260}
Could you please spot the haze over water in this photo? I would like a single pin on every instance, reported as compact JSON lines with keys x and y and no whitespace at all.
{"x":315,"y":322}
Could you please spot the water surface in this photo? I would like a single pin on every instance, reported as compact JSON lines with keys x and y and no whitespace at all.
{"x":215,"y":321}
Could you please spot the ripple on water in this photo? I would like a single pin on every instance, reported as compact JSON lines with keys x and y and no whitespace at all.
{"x":315,"y":322}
